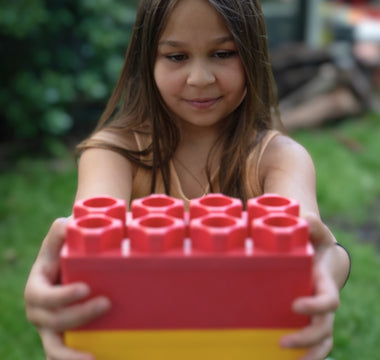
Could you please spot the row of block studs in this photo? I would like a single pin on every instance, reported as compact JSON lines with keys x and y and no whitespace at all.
{"x":211,"y":203}
{"x":216,"y":224}
{"x":214,"y":203}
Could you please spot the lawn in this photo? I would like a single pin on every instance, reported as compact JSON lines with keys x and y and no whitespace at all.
{"x":34,"y":191}
{"x":348,"y":172}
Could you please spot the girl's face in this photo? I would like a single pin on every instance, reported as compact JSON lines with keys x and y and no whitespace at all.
{"x":198,"y":70}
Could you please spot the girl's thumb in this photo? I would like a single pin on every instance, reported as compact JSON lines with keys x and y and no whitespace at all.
{"x":53,"y":242}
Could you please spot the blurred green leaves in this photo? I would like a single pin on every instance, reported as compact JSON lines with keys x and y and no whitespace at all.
{"x":59,"y":60}
{"x":18,"y":18}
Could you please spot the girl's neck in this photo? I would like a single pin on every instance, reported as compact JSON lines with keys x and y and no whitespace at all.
{"x":191,"y":159}
{"x":200,"y":138}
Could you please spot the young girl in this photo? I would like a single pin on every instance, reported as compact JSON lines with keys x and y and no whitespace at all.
{"x":197,"y":115}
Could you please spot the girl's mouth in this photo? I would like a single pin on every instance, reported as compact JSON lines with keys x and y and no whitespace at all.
{"x":203,"y":103}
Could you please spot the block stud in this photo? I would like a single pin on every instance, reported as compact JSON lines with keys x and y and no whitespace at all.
{"x":94,"y":234}
{"x":106,"y":205}
{"x":215,"y":203}
{"x":269,"y":203}
{"x":217,"y":233}
{"x":280,"y":233}
{"x":156,"y":233}
{"x":158,"y":203}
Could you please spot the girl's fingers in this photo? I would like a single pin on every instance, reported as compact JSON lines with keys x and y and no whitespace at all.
{"x":45,"y":272}
{"x":71,"y":317}
{"x":41,"y":294}
{"x":326,"y":298}
{"x":317,"y":305}
{"x":49,"y":305}
{"x":317,"y":337}
{"x":320,"y":351}
{"x":47,"y":262}
{"x":80,"y":314}
{"x":56,"y":350}
{"x":321,"y":328}
{"x":55,"y":238}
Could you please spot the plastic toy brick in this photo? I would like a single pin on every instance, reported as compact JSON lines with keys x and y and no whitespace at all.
{"x":191,"y":285}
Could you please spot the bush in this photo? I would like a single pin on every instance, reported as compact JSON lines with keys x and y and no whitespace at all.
{"x":60,"y":60}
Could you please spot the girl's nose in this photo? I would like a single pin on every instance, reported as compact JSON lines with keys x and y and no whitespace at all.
{"x":200,"y":74}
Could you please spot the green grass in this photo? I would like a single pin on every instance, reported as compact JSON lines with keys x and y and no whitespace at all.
{"x":347,"y":164}
{"x":34,"y":192}
{"x":348,"y":185}
{"x":357,"y":326}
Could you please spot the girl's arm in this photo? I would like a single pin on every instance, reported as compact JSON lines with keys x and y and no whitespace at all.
{"x":104,"y":172}
{"x":52,"y":307}
{"x":287,"y":169}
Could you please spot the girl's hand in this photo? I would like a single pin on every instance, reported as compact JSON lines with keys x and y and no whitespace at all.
{"x":50,"y":306}
{"x":318,"y":336}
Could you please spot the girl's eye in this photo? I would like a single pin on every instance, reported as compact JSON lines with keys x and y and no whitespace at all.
{"x":224,"y":54}
{"x":176,"y":57}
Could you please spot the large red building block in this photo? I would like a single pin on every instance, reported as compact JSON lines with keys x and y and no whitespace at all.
{"x":215,"y":281}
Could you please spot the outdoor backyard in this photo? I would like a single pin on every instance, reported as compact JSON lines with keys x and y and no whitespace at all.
{"x":38,"y":167}
{"x":36,"y":190}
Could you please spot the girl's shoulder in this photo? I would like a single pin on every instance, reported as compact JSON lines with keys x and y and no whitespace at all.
{"x":276,"y":153}
{"x":115,"y":138}
{"x":282,"y":147}
{"x":128,"y":143}
{"x":121,"y":139}
{"x":262,"y":142}
{"x":284,"y":155}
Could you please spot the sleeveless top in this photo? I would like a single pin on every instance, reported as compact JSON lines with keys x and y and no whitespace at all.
{"x":142,"y":179}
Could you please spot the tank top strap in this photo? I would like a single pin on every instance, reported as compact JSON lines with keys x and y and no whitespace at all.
{"x":253,"y":164}
{"x":142,"y":179}
{"x":141,"y":185}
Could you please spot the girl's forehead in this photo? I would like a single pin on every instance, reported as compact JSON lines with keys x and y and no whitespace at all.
{"x":194,"y":20}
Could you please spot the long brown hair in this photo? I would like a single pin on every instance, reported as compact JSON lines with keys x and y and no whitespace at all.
{"x":136,"y":105}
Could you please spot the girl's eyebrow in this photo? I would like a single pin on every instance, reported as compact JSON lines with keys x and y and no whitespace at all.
{"x":176,"y":43}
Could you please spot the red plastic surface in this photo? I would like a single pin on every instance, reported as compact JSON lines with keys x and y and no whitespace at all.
{"x":101,"y":205}
{"x":282,"y":233}
{"x":156,"y":233}
{"x":94,"y":234}
{"x":215,"y":203}
{"x":106,"y":205}
{"x":269,"y":203}
{"x":218,"y":277}
{"x":158,"y":203}
{"x":215,"y":233}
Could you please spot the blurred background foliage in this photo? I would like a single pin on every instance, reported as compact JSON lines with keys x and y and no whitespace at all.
{"x":59,"y":62}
